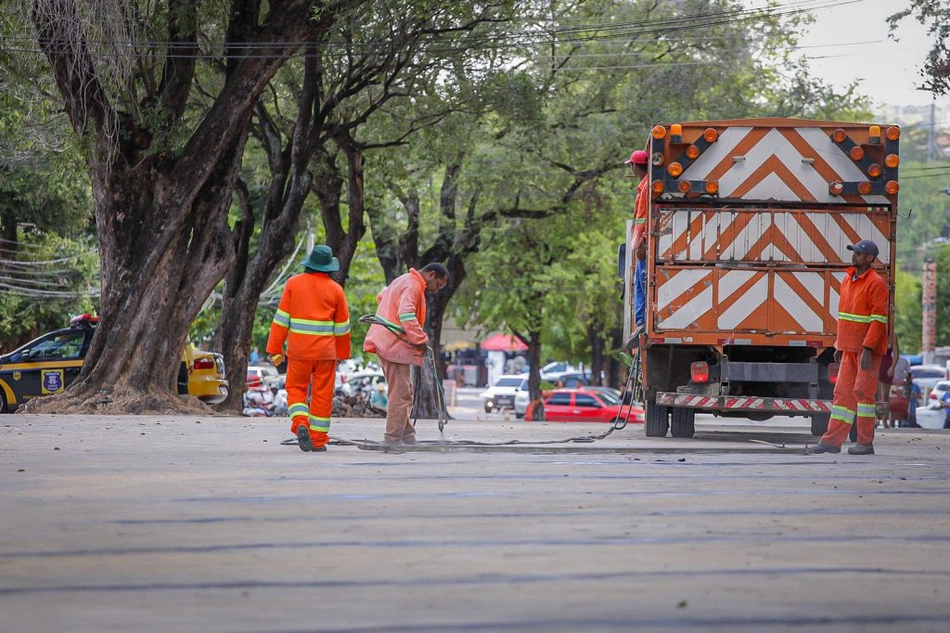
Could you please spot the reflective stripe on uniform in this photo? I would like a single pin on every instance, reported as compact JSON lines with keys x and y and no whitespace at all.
{"x":844,"y":414}
{"x":298,"y":408}
{"x":857,"y":318}
{"x":879,"y":317}
{"x":319,"y":424}
{"x":341,"y":329}
{"x":639,"y":221}
{"x":408,"y":316}
{"x":282,"y":319}
{"x":313,"y":328}
{"x":867,"y":410}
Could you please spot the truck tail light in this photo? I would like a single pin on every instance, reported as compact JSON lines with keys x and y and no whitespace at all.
{"x":833,"y":373}
{"x":204,"y":363}
{"x":699,"y":371}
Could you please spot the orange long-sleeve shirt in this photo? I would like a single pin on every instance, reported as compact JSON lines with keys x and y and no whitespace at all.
{"x":641,"y":205}
{"x":403,"y":303}
{"x":313,"y":310}
{"x":862,"y":313}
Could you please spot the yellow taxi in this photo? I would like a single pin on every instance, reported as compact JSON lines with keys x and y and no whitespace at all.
{"x":50,"y":363}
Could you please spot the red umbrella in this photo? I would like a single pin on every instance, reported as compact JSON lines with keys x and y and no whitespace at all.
{"x":503,"y":343}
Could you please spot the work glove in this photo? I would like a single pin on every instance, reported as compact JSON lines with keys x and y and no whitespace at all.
{"x":276,"y":359}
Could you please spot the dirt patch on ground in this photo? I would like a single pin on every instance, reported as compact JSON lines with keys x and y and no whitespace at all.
{"x":120,"y":402}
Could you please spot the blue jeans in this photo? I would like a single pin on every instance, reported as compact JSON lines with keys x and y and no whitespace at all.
{"x":640,"y":292}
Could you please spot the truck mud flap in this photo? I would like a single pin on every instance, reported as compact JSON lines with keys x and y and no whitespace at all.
{"x":794,"y":406}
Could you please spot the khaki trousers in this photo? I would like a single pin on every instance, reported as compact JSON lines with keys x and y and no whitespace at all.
{"x":399,"y":382}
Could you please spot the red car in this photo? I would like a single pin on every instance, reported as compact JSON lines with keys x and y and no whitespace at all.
{"x":585,"y":405}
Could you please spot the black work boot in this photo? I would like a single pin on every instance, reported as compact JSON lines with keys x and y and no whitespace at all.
{"x":303,"y":439}
{"x":821,"y":447}
{"x":861,"y":449}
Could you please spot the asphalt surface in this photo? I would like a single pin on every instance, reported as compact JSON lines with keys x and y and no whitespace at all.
{"x":212,"y":524}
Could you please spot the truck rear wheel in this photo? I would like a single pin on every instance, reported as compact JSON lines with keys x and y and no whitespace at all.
{"x":682,"y":422}
{"x":657,"y":420}
{"x":819,"y":424}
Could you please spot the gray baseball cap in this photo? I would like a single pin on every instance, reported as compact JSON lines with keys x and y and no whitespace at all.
{"x":865,"y":246}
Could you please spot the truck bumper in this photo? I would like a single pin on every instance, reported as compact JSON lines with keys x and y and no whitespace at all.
{"x":794,"y":406}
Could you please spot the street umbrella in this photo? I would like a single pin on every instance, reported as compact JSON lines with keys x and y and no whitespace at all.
{"x":502,"y":343}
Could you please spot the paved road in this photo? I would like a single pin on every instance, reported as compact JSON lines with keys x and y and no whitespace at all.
{"x":210,"y":524}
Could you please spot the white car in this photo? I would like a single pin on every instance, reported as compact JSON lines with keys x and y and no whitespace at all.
{"x":502,"y":394}
{"x":927,"y":376}
{"x":362,"y":382}
{"x":939,"y":389}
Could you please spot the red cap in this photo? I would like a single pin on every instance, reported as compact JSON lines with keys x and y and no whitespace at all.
{"x":639,"y":157}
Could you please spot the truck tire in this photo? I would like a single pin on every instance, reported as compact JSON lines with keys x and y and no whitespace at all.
{"x":819,"y":424}
{"x":682,"y":422}
{"x":657,"y":420}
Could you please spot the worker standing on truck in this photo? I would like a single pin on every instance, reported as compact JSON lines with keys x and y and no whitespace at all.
{"x":860,"y":345}
{"x":402,"y":342}
{"x":638,"y":244}
{"x":314,"y":311}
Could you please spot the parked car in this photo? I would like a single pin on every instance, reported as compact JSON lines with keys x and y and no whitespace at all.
{"x":205,"y":376}
{"x":927,"y":376}
{"x":362,"y":382}
{"x":521,"y":397}
{"x":585,"y":405}
{"x":51,"y":363}
{"x":938,"y":390}
{"x":257,"y":375}
{"x":502,"y":394}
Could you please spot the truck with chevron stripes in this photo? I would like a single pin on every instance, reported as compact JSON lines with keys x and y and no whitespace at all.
{"x":746,"y":247}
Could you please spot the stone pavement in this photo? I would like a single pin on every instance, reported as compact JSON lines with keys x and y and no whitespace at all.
{"x":210,"y":524}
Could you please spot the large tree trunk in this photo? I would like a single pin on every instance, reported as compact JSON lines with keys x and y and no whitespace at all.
{"x":161,"y":214}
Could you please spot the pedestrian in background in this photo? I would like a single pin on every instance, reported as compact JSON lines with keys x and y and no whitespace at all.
{"x":860,"y":345}
{"x":313,"y":310}
{"x":638,"y":244}
{"x":402,"y":306}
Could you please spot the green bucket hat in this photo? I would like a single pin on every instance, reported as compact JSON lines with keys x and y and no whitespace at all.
{"x":321,"y":260}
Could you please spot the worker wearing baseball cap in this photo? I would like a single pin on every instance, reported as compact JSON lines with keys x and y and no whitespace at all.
{"x":861,"y":342}
{"x":638,"y":163}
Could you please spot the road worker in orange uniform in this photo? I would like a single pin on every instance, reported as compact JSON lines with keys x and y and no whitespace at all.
{"x":402,"y":306}
{"x":861,"y":343}
{"x":638,"y":243}
{"x":313,"y":310}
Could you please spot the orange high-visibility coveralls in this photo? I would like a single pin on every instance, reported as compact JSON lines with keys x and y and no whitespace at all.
{"x":862,"y":324}
{"x":313,"y":310}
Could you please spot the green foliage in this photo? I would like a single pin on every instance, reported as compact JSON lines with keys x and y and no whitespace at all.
{"x":924,"y":210}
{"x":907,"y":312}
{"x":935,"y":14}
{"x":48,"y":280}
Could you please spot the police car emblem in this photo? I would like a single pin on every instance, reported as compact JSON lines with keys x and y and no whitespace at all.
{"x":53,"y":381}
{"x":16,"y":375}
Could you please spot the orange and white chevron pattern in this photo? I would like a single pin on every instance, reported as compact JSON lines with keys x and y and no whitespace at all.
{"x":792,"y":164}
{"x":764,"y":301}
{"x":767,"y":235}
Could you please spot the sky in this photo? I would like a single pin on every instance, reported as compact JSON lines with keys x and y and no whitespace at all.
{"x":837,"y":46}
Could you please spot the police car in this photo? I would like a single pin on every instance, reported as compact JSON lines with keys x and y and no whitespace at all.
{"x":52,"y":362}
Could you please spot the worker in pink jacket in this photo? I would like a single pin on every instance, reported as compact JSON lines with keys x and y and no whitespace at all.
{"x":402,"y":306}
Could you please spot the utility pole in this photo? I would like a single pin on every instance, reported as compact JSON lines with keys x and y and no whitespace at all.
{"x":929,"y":321}
{"x":932,"y":135}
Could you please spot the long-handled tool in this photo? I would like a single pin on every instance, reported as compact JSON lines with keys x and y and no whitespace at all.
{"x":429,"y":355}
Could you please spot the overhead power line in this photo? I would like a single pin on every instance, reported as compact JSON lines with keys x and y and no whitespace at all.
{"x":600,"y":32}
